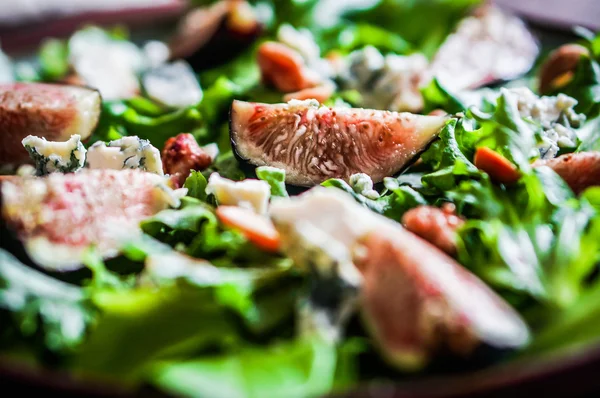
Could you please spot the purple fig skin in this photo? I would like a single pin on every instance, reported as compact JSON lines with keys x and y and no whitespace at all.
{"x":313,"y":143}
{"x":54,"y":112}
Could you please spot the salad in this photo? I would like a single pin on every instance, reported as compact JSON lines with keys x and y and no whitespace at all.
{"x":294,"y":198}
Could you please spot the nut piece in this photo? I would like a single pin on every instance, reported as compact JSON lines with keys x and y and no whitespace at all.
{"x":560,"y":66}
{"x":437,"y":226}
{"x":182,"y":154}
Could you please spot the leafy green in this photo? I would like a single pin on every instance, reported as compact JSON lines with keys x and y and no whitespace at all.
{"x":196,"y":185}
{"x":585,"y":87}
{"x":406,"y":18}
{"x":195,"y":230}
{"x":205,"y":307}
{"x":36,"y":306}
{"x":352,"y":37}
{"x":437,"y":97}
{"x":119,"y":119}
{"x":449,"y":156}
{"x":102,"y":278}
{"x":227,"y":166}
{"x":304,"y":368}
{"x":54,"y":59}
{"x":275,"y":177}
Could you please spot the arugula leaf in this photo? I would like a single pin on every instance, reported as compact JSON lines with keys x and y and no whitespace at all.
{"x":205,"y":307}
{"x":405,"y":18}
{"x":435,"y":96}
{"x":119,"y":119}
{"x":227,"y":166}
{"x":196,"y":185}
{"x":131,"y":328}
{"x":302,"y":368}
{"x":54,"y":59}
{"x":449,"y":156}
{"x":354,"y":36}
{"x":504,"y":131}
{"x":574,"y":327}
{"x":275,"y":177}
{"x":40,"y":307}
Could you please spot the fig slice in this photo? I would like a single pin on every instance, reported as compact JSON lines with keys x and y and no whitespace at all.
{"x":54,"y":112}
{"x":414,"y":299}
{"x":59,"y":216}
{"x":313,"y":143}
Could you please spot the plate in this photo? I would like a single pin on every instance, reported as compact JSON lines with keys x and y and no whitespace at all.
{"x":572,"y":374}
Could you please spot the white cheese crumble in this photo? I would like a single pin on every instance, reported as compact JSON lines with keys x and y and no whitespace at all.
{"x":488,"y":46}
{"x":385,"y":82}
{"x":52,"y":156}
{"x":250,"y":194}
{"x":362,"y":184}
{"x":125,"y":153}
{"x":555,"y":114}
{"x":173,"y":85}
{"x":156,"y":52}
{"x":107,"y":64}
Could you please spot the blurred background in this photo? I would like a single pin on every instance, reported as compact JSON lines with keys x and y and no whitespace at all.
{"x":24,"y":23}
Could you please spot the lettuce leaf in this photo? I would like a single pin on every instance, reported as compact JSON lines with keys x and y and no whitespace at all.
{"x":302,"y":368}
{"x":36,"y":307}
{"x":275,"y":177}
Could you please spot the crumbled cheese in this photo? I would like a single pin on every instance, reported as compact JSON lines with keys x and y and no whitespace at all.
{"x":125,"y":153}
{"x":362,"y":184}
{"x":391,"y":82}
{"x":301,"y":104}
{"x":156,"y":52}
{"x":51,"y":156}
{"x":107,"y":64}
{"x":488,"y":46}
{"x":26,"y":170}
{"x":555,"y":114}
{"x":251,"y":194}
{"x":165,"y":194}
{"x":174,"y":85}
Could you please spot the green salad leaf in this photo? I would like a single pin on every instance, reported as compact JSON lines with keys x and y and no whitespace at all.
{"x":275,"y":177}
{"x":303,"y":368}
{"x":37,"y":307}
{"x":54,"y":59}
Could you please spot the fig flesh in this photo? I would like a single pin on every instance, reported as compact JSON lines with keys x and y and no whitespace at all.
{"x":59,"y":216}
{"x":414,"y":299}
{"x":54,"y":112}
{"x":313,"y":143}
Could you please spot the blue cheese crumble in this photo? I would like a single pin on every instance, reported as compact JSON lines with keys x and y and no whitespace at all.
{"x":556,"y":116}
{"x":385,"y":82}
{"x":55,"y":157}
{"x":125,"y":153}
